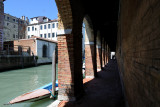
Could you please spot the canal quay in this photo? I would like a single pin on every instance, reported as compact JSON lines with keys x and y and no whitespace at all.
{"x":16,"y":82}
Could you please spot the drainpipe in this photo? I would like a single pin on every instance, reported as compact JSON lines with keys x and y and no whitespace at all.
{"x":53,"y":74}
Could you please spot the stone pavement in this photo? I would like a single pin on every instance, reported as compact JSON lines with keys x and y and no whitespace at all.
{"x":104,"y":91}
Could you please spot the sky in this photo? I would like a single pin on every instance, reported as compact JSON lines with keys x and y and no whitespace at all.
{"x":31,"y":8}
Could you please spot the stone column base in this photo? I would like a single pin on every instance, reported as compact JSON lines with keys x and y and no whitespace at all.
{"x":89,"y":76}
{"x":66,"y":98}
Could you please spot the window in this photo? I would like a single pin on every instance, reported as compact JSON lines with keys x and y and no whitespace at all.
{"x":53,"y":34}
{"x":14,"y":26}
{"x":49,"y":35}
{"x":35,"y":29}
{"x":44,"y":51}
{"x":7,"y":24}
{"x":53,"y":25}
{"x":28,"y":36}
{"x":44,"y":35}
{"x":14,"y":20}
{"x":57,"y":25}
{"x":32,"y":28}
{"x":7,"y":18}
{"x":14,"y":36}
{"x":56,"y":34}
{"x":28,"y":28}
{"x":49,"y":26}
{"x":41,"y":35}
{"x":44,"y":26}
{"x":41,"y":27}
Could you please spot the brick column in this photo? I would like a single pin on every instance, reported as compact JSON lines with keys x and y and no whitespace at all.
{"x":103,"y":57}
{"x":65,"y":67}
{"x":103,"y":54}
{"x":1,"y":24}
{"x":107,"y":55}
{"x":98,"y":58}
{"x":69,"y":52}
{"x":98,"y":49}
{"x":89,"y":62}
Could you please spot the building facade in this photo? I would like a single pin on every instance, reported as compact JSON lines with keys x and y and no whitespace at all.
{"x":43,"y":48}
{"x":42,"y":27}
{"x":1,"y":23}
{"x":14,"y":28}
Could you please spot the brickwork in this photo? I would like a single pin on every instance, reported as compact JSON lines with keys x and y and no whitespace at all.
{"x":64,"y":15}
{"x":98,"y":49}
{"x":105,"y":53}
{"x":107,"y":56}
{"x":89,"y":62}
{"x":1,"y":24}
{"x":26,"y":44}
{"x":98,"y":58}
{"x":69,"y":51}
{"x":65,"y":66}
{"x":138,"y":51}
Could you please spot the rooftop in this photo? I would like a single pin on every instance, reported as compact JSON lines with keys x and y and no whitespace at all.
{"x":39,"y":38}
{"x":55,"y":20}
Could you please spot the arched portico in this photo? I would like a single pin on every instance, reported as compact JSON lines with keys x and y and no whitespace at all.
{"x":90,"y":55}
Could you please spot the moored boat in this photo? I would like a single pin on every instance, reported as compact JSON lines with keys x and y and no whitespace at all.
{"x":40,"y":93}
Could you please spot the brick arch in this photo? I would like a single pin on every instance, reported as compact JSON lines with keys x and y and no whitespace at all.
{"x":69,"y":36}
{"x":90,"y":49}
{"x":89,"y":29}
{"x":65,"y":20}
{"x":99,"y":51}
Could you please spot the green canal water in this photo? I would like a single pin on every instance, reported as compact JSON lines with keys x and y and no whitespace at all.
{"x":16,"y":82}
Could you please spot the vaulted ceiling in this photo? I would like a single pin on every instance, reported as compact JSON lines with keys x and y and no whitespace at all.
{"x":104,"y":15}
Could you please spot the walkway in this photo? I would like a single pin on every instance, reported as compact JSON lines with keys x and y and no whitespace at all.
{"x":104,"y":91}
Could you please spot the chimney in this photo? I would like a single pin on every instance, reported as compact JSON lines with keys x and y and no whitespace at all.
{"x":23,"y":18}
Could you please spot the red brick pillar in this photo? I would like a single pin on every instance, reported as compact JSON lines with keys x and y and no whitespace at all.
{"x":98,"y":49}
{"x":89,"y":62}
{"x":1,"y":24}
{"x":98,"y":58}
{"x":69,"y":37}
{"x":65,"y":67}
{"x":107,"y":55}
{"x":103,"y":53}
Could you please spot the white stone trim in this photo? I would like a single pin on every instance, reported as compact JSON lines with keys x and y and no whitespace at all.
{"x":98,"y":46}
{"x":66,"y":98}
{"x":89,"y":76}
{"x":54,"y":104}
{"x":64,"y":31}
{"x":89,"y":43}
{"x":98,"y":69}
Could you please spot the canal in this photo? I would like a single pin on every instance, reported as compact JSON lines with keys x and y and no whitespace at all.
{"x":16,"y":82}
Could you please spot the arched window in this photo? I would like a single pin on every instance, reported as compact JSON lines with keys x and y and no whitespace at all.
{"x":44,"y":51}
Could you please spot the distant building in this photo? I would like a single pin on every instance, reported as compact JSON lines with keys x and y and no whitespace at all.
{"x":43,"y":48}
{"x":42,"y":27}
{"x":14,"y":28}
{"x":1,"y":24}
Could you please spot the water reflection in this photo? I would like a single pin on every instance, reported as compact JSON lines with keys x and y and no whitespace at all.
{"x":16,"y":82}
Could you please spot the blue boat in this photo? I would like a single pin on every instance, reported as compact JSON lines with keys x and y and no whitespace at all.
{"x":37,"y":94}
